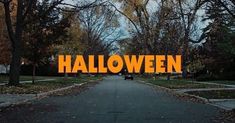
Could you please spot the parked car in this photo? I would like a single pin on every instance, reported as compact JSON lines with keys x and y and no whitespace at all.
{"x":129,"y":76}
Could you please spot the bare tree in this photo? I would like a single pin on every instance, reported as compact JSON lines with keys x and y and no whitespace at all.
{"x":101,"y":28}
{"x":188,"y":13}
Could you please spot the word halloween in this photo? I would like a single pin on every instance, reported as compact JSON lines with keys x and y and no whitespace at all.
{"x":116,"y":63}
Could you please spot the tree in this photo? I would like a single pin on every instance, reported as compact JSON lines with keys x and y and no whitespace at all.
{"x":153,"y":32}
{"x":15,"y":34}
{"x":188,"y":12}
{"x":5,"y":48}
{"x":218,"y":50}
{"x":15,"y":29}
{"x":100,"y":29}
{"x":138,"y":15}
{"x":39,"y":35}
{"x":93,"y":32}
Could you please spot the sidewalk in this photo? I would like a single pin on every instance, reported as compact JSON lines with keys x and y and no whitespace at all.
{"x":211,"y":83}
{"x":226,"y":104}
{"x":202,"y":89}
{"x":14,"y":99}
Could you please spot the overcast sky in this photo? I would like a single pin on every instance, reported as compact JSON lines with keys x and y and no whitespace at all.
{"x":152,"y":6}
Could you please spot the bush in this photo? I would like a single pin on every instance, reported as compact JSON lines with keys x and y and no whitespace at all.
{"x":227,"y":76}
{"x":44,"y":70}
{"x":206,"y":77}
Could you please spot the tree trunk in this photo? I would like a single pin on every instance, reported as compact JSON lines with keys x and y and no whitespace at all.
{"x":168,"y":77}
{"x":166,"y":64}
{"x":185,"y":56}
{"x":66,"y":76}
{"x":15,"y":64}
{"x":184,"y":72}
{"x":34,"y":73}
{"x":15,"y":37}
{"x":185,"y":41}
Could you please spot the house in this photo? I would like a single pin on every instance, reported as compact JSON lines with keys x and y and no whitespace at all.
{"x":4,"y":69}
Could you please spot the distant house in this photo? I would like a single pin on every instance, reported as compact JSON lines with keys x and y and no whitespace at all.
{"x":4,"y":69}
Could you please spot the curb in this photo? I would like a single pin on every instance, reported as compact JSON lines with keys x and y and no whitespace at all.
{"x":45,"y":94}
{"x":228,"y":108}
{"x":204,"y":100}
{"x":221,"y":107}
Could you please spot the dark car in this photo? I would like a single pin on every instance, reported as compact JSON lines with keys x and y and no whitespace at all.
{"x":129,"y":76}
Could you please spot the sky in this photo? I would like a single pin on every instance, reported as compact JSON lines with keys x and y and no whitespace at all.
{"x":152,"y":6}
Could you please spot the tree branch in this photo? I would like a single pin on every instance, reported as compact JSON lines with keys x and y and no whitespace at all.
{"x":227,"y":9}
{"x":29,"y":8}
{"x":133,"y":23}
{"x":76,"y":8}
{"x":5,"y":1}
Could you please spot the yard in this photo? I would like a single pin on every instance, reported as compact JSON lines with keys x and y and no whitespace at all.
{"x":216,"y":94}
{"x":44,"y":86}
{"x":178,"y":84}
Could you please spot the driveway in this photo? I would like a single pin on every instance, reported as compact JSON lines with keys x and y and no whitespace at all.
{"x":114,"y":100}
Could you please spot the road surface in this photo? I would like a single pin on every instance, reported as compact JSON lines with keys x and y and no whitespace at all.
{"x":114,"y":100}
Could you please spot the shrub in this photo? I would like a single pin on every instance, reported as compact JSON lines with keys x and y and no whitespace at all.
{"x":206,"y":77}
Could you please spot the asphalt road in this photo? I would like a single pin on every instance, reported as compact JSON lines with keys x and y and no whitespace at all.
{"x":114,"y":100}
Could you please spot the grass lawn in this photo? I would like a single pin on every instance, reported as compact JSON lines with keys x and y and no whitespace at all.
{"x":4,"y":78}
{"x":179,"y":84}
{"x":221,"y":94}
{"x":39,"y":87}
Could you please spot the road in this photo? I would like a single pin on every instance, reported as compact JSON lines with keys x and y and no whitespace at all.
{"x":113,"y":100}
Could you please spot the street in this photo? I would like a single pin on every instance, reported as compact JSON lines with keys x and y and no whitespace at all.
{"x":114,"y":100}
